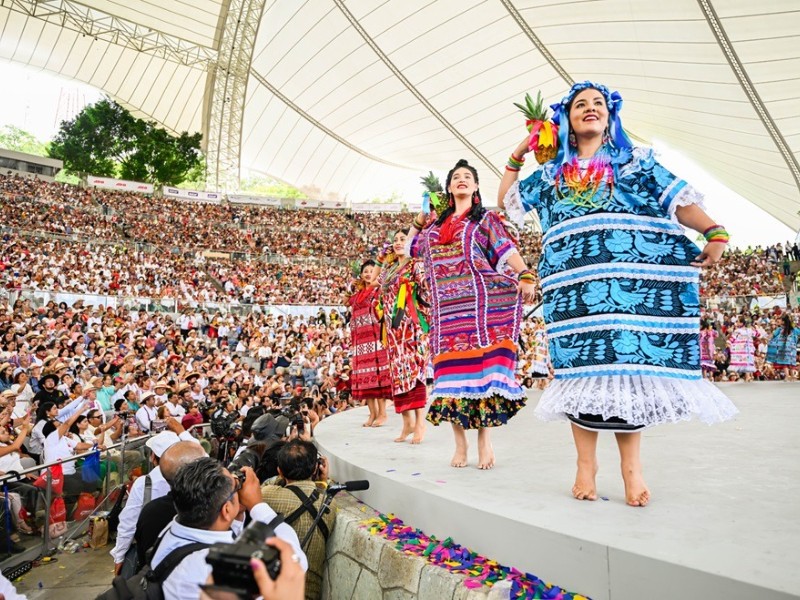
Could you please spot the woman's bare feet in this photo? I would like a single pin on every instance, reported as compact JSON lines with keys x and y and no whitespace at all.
{"x":379,"y":422}
{"x":585,"y":487}
{"x":419,"y":433}
{"x":460,"y":456}
{"x":485,"y":450}
{"x":459,"y":459}
{"x":369,"y":422}
{"x":636,"y":492}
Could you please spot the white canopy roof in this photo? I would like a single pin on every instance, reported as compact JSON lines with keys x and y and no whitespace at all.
{"x":350,"y":99}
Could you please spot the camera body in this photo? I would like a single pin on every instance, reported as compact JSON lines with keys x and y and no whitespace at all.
{"x":231,"y":562}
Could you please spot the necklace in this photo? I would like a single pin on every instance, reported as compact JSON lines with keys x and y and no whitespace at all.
{"x":589,"y":187}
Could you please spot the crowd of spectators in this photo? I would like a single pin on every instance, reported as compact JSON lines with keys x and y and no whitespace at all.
{"x":127,"y":244}
{"x":760,"y":326}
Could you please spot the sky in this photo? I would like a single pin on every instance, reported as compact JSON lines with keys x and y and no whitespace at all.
{"x":41,"y":100}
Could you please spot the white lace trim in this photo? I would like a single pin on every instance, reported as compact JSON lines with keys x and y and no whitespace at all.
{"x":503,"y":261}
{"x":686,"y":197}
{"x":513,"y":206}
{"x":482,"y":396}
{"x":639,"y":400}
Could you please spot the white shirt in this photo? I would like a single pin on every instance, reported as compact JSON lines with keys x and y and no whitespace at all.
{"x":133,"y":507}
{"x":60,"y":447}
{"x":8,"y":591}
{"x":183,"y":583}
{"x":10,"y":461}
{"x":145,"y":417}
{"x":175,"y":410}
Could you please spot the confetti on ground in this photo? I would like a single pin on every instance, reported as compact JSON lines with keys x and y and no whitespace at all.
{"x":603,"y":498}
{"x":440,"y":481}
{"x":415,"y":474}
{"x":457,"y":559}
{"x":391,"y":470}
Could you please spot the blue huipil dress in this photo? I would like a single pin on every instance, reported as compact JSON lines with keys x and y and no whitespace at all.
{"x":621,"y":300}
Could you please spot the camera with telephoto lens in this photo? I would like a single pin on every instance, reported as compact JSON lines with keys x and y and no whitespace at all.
{"x":230,"y":563}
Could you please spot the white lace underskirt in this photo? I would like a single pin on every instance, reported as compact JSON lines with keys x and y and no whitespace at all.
{"x":639,"y":400}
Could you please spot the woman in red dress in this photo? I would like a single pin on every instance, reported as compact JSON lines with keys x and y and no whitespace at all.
{"x":369,"y":377}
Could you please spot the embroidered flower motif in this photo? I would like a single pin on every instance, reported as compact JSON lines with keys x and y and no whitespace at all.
{"x":618,"y":241}
{"x":626,"y":342}
{"x":595,"y":292}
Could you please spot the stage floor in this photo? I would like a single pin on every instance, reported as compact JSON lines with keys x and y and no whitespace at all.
{"x":723,"y":522}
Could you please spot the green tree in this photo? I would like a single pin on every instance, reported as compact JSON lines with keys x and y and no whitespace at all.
{"x":19,"y":140}
{"x":105,"y":139}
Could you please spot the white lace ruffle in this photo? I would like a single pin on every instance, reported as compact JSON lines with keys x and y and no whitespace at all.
{"x":686,"y":197}
{"x":490,"y":393}
{"x":639,"y":400}
{"x":513,"y":206}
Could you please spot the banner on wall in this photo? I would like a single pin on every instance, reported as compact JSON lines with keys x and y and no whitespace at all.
{"x":369,"y":207}
{"x":108,"y":183}
{"x":258,"y":200}
{"x":307,"y":203}
{"x":212,"y":197}
{"x":332,"y":204}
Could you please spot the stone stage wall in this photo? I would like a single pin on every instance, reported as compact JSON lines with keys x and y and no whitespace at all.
{"x":367,"y":567}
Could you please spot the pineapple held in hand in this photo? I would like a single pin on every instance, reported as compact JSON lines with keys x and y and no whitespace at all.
{"x":544,"y":133}
{"x":433,"y":199}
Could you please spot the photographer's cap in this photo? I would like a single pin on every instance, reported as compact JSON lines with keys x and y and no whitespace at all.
{"x":162,"y":442}
{"x":268,"y":428}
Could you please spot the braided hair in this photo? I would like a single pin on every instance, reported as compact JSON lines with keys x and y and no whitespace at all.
{"x":476,"y":211}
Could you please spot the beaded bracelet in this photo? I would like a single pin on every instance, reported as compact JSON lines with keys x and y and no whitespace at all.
{"x":716,"y":233}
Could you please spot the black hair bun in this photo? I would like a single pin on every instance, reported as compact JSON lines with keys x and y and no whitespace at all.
{"x":461,"y":163}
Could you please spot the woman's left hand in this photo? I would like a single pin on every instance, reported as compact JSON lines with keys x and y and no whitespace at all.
{"x":710,"y":255}
{"x":528,"y":291}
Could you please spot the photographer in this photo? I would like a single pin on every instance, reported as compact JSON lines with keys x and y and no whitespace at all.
{"x":144,"y":489}
{"x":299,"y":496}
{"x":210,"y":501}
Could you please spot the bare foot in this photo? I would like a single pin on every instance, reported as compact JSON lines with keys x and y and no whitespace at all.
{"x":636,"y":492}
{"x":419,"y":433}
{"x":403,"y":435}
{"x":585,"y":488}
{"x":369,"y":422}
{"x":460,"y":456}
{"x":379,"y":422}
{"x":485,"y":455}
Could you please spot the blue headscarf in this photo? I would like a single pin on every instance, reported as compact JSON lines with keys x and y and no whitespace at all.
{"x":619,"y":144}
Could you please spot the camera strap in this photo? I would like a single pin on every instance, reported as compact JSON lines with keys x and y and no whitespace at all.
{"x":307,"y":506}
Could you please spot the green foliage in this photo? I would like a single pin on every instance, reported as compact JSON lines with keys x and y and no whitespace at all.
{"x":270,"y":187}
{"x":105,"y":139}
{"x":19,"y":140}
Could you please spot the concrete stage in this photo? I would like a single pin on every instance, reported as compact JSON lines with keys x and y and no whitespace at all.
{"x":723,"y":522}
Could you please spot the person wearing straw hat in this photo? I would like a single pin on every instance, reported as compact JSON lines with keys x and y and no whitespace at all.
{"x":147,"y":413}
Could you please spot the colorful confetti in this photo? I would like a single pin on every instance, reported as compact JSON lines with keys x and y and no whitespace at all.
{"x":479,"y":570}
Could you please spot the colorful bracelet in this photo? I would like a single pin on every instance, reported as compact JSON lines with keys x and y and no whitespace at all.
{"x":716,"y":233}
{"x":526,"y":275}
{"x":417,"y":224}
{"x":512,"y":169}
{"x":515,"y":163}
